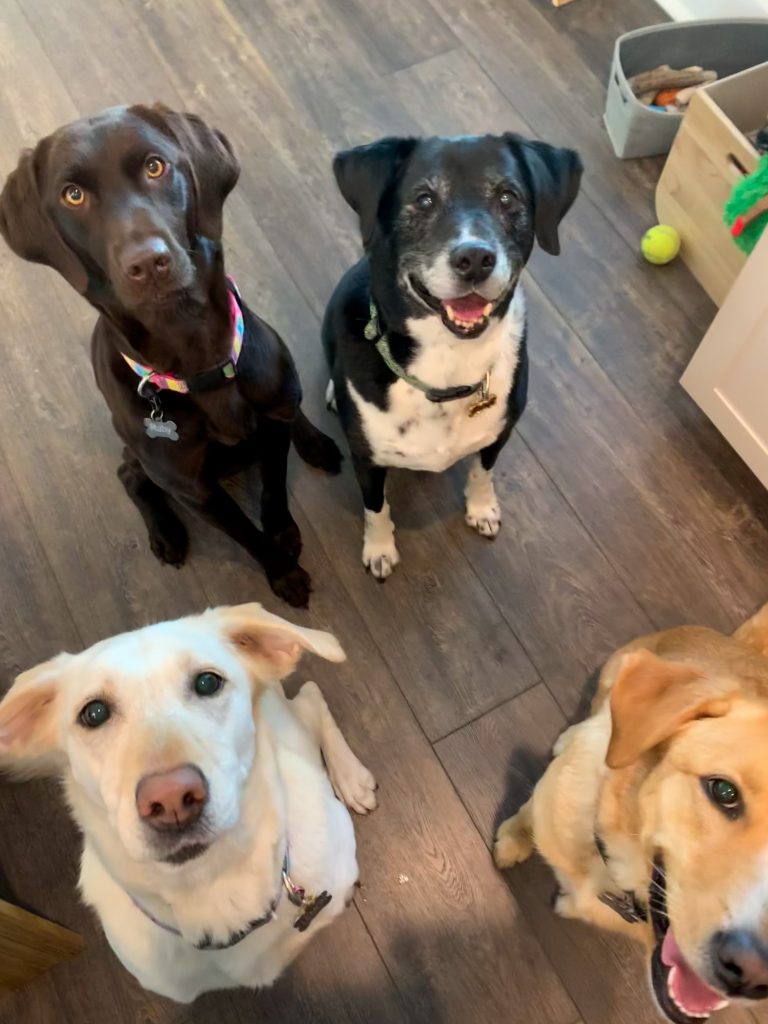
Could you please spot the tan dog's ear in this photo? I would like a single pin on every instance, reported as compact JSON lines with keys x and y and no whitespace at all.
{"x":652,"y":698}
{"x":212,"y":161}
{"x":754,"y":632}
{"x":26,"y":225}
{"x":28,"y":726}
{"x":273,"y":645}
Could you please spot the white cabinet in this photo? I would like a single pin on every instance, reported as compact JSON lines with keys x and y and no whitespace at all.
{"x":728,"y":375}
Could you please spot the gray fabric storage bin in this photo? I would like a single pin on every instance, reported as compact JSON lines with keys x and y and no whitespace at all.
{"x":723,"y":46}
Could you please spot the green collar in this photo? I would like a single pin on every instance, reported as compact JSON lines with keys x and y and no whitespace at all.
{"x":374,"y":333}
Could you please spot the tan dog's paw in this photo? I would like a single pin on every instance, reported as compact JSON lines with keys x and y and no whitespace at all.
{"x":352,"y":783}
{"x":565,"y":905}
{"x":513,"y":843}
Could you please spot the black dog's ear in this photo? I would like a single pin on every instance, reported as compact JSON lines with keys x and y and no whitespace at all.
{"x":365,"y":174}
{"x":213,"y":165}
{"x":554,"y":175}
{"x":26,"y":225}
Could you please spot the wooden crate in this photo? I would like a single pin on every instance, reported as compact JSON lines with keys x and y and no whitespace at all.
{"x":710,"y":154}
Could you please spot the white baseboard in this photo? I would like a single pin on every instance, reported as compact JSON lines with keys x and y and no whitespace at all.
{"x":693,"y":10}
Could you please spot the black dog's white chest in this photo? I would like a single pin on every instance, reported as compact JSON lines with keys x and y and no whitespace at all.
{"x":413,"y":433}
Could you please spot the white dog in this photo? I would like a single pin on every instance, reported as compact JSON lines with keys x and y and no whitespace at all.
{"x":214,"y":847}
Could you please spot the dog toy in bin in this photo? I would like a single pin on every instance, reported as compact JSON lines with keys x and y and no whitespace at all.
{"x":660,"y":244}
{"x":746,"y":212}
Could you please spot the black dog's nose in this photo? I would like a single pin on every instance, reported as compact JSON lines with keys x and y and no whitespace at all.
{"x":146,"y":261}
{"x":741,"y":964}
{"x":473,"y":261}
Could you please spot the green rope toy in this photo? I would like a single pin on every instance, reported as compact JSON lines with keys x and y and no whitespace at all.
{"x":746,"y":212}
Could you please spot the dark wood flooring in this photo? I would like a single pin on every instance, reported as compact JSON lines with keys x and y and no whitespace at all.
{"x":624,"y":509}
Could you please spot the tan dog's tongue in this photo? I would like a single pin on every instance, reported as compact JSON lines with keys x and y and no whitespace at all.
{"x":468,"y":307}
{"x":691,"y":994}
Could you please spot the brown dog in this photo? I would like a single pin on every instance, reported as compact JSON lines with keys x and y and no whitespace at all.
{"x":127,"y":206}
{"x":654,"y":813}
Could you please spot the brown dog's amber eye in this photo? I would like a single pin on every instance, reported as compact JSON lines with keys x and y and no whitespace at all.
{"x":73,"y":195}
{"x":154,"y":167}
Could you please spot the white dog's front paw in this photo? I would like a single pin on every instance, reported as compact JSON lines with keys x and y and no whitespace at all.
{"x":352,"y":783}
{"x":380,"y":554}
{"x":486,"y":520}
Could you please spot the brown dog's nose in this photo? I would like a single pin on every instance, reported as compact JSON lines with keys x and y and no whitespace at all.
{"x":147,"y":261}
{"x":741,"y":964}
{"x":173,"y":798}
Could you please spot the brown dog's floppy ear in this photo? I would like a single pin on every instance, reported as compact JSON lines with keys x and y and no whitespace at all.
{"x":366,"y":174}
{"x":273,"y":645}
{"x":212,"y":161}
{"x":554,"y":176}
{"x":652,"y":698}
{"x":28,"y":724}
{"x":26,"y":225}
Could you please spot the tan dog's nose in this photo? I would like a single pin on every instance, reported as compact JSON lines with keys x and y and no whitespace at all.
{"x":741,"y":964}
{"x":173,"y":798}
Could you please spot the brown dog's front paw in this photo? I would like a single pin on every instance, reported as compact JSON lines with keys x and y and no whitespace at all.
{"x":170,"y":542}
{"x":288,"y":540}
{"x":293,"y":586}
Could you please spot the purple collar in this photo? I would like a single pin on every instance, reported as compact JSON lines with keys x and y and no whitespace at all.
{"x":310,"y":907}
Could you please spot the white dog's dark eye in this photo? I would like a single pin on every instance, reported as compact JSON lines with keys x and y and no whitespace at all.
{"x":508,"y":197}
{"x":94,"y":714}
{"x":724,"y":794}
{"x":425,"y":201}
{"x":207,"y":683}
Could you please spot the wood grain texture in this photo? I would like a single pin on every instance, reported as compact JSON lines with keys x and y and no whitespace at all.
{"x":30,"y":945}
{"x":623,"y":508}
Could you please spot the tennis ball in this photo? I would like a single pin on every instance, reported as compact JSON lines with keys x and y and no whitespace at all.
{"x":660,"y":244}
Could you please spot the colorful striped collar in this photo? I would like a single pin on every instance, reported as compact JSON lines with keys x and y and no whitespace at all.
{"x":208,"y":378}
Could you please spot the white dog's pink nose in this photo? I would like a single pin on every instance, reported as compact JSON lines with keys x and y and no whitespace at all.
{"x":173,"y":798}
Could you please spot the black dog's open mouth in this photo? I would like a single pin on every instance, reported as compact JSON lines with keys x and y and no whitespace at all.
{"x":466,"y":316}
{"x":681,"y":994}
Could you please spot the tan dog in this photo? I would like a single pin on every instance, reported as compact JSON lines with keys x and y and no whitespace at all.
{"x":654,"y":813}
{"x":214,"y":847}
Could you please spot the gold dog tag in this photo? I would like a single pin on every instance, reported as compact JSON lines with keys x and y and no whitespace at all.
{"x":486,"y":399}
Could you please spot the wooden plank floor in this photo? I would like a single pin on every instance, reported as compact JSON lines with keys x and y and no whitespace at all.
{"x":624,"y":509}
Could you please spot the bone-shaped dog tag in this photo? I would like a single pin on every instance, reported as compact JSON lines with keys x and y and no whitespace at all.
{"x":161,"y":428}
{"x":311,"y":907}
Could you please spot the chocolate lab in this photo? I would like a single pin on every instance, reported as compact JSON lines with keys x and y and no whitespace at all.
{"x":127,"y":206}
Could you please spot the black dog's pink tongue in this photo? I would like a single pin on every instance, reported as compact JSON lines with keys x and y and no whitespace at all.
{"x":689,"y":992}
{"x":468,"y":307}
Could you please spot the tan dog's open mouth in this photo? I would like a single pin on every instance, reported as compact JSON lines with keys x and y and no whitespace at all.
{"x":682,"y":995}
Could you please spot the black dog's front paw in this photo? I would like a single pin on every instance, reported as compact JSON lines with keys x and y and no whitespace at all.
{"x":293,"y":586}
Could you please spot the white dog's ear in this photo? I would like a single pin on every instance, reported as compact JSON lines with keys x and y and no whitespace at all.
{"x":28,"y":723}
{"x":273,"y":645}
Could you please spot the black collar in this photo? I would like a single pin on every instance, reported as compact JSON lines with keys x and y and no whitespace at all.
{"x":625,"y":903}
{"x":373,"y":332}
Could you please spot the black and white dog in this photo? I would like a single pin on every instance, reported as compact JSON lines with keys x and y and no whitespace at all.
{"x":426,"y":336}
